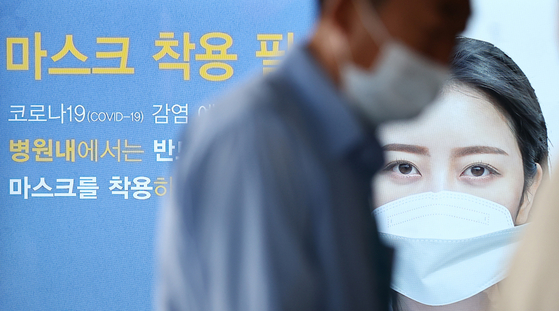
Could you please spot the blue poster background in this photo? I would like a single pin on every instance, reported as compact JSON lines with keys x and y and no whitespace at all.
{"x":75,"y":247}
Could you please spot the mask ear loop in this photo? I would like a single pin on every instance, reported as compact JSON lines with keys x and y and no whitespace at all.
{"x":378,"y":32}
{"x":348,"y":55}
{"x":341,"y":79}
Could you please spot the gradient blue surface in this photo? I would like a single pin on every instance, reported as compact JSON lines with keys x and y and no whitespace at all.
{"x":65,"y":253}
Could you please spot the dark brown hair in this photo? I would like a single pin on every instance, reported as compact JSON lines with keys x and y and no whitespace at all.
{"x":485,"y":67}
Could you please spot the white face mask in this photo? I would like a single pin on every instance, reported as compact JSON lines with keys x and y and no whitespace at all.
{"x":401,"y":83}
{"x":449,"y":246}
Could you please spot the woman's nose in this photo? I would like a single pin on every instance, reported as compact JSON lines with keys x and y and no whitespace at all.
{"x":441,"y":181}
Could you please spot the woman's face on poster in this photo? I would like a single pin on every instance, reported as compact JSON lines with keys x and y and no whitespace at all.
{"x":462,"y":143}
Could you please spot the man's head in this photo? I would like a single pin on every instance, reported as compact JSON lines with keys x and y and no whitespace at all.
{"x":428,"y":27}
{"x":373,"y":2}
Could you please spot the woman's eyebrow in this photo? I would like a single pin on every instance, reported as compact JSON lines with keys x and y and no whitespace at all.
{"x":465,"y":151}
{"x":406,"y":148}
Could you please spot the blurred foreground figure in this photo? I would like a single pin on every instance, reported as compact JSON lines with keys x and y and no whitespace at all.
{"x":533,"y":281}
{"x":271,"y":208}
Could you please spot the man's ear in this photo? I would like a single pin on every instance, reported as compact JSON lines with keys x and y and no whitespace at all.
{"x":342,"y":15}
{"x":330,"y":43}
{"x":528,"y":200}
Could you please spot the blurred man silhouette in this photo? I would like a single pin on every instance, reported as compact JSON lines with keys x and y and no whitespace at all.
{"x":533,"y":280}
{"x":271,"y":207}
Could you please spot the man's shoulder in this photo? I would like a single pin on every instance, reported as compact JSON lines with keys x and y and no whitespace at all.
{"x":257,"y":98}
{"x":259,"y":111}
{"x":237,"y":108}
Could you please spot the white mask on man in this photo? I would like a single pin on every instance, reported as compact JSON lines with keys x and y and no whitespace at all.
{"x":399,"y":85}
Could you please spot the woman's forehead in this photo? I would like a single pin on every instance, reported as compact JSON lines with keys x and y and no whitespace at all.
{"x":461,"y":116}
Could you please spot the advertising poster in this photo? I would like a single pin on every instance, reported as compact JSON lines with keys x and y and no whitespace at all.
{"x":94,"y":96}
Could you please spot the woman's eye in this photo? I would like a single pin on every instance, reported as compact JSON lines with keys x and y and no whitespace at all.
{"x":478,"y":171}
{"x":404,"y":169}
